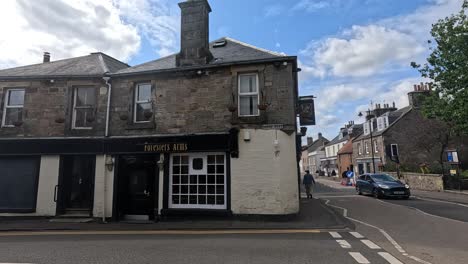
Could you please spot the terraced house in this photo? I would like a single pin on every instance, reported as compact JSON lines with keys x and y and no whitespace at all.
{"x":210,"y":129}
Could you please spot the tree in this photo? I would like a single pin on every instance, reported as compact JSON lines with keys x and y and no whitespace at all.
{"x":447,"y":66}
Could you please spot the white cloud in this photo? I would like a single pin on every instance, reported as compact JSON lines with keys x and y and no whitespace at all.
{"x":311,"y":5}
{"x":386,"y":45}
{"x":76,"y":28}
{"x":363,"y":51}
{"x":332,"y":97}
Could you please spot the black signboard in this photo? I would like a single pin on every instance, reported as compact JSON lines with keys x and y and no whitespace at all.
{"x":306,"y":110}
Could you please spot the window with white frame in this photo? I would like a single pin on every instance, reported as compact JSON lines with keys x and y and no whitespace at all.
{"x":248,"y":95}
{"x":143,"y":107}
{"x":13,"y":107}
{"x":367,"y":147}
{"x":359,"y":145}
{"x":366,"y":128}
{"x":84,"y":105}
{"x":198,"y":181}
{"x":376,"y":148}
{"x":380,"y":124}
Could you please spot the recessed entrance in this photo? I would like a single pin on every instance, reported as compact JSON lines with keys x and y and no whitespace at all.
{"x":75,"y":191}
{"x":137,"y":195}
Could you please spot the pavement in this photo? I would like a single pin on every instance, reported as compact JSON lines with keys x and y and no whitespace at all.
{"x":314,"y":214}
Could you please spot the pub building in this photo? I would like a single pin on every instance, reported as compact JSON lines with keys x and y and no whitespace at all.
{"x":211,"y":129}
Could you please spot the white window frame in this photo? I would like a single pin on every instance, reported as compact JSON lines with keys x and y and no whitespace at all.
{"x":376,"y":149}
{"x":191,"y":156}
{"x":380,"y":124}
{"x":392,"y":152}
{"x":366,"y":128}
{"x":7,"y":106}
{"x":136,"y":102}
{"x":257,"y":93}
{"x":75,"y":95}
{"x":366,"y":146}
{"x":359,"y":148}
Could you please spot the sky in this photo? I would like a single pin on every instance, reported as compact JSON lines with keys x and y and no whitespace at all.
{"x":353,"y":53}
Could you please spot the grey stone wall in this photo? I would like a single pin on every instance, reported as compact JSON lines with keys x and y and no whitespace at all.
{"x":186,"y":102}
{"x":423,"y":182}
{"x":45,"y":103}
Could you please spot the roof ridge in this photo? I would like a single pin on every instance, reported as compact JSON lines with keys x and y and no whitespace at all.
{"x":44,"y":63}
{"x":110,"y":57}
{"x":255,"y":47}
{"x":103,"y":64}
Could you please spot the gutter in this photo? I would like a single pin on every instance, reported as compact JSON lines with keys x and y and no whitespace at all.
{"x":209,"y":66}
{"x":106,"y":134}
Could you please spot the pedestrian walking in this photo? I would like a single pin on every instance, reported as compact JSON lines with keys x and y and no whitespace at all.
{"x":308,"y":181}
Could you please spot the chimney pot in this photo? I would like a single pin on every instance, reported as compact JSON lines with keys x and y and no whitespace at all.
{"x":46,"y":57}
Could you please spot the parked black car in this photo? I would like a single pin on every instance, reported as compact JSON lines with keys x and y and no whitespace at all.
{"x":382,"y":185}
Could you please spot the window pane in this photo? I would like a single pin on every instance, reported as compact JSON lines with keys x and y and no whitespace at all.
{"x":202,"y":199}
{"x":13,"y":115}
{"x":175,"y":199}
{"x":248,"y":83}
{"x":85,"y":97}
{"x":248,"y":105}
{"x":197,"y":164}
{"x":83,"y":117}
{"x":144,"y":92}
{"x":16,"y":98}
{"x":140,"y":111}
{"x":220,"y":199}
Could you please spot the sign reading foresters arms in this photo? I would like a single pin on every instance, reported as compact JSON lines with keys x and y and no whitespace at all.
{"x":166,"y":147}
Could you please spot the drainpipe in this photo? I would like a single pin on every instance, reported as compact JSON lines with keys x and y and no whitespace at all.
{"x":106,"y":134}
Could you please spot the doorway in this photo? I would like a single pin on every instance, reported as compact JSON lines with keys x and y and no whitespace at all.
{"x":76,"y":185}
{"x":137,"y":176}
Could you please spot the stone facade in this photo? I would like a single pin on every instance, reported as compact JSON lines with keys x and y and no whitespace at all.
{"x":45,"y":103}
{"x":187,"y":103}
{"x":423,"y":182}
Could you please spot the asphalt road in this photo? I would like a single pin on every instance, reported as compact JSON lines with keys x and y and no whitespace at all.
{"x":428,"y":230}
{"x":235,"y":248}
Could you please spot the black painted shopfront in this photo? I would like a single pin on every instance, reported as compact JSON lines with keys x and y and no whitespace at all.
{"x":153,"y":176}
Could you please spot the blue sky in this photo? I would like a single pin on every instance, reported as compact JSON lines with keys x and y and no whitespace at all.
{"x":352,"y":52}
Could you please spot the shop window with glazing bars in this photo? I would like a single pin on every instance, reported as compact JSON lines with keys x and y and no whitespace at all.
{"x":143,"y":107}
{"x":84,"y":106}
{"x":248,"y":95}
{"x":198,"y":181}
{"x":13,"y":107}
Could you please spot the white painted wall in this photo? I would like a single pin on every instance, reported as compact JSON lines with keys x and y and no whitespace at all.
{"x":103,"y":173}
{"x":262,"y":181}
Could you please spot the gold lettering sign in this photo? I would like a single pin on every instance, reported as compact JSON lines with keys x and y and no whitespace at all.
{"x":166,"y":147}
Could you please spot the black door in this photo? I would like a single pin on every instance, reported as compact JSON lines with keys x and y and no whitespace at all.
{"x":137,"y":177}
{"x":76,"y":184}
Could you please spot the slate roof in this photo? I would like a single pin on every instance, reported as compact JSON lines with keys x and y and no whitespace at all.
{"x":347,"y":148}
{"x":93,"y":65}
{"x":233,"y":52}
{"x":315,"y":146}
{"x":393,"y":118}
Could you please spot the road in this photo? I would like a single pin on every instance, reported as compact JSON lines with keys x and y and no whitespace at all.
{"x":428,"y":230}
{"x":387,"y":231}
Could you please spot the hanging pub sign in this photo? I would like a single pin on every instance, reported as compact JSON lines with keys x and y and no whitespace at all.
{"x":306,"y":110}
{"x":165,"y":147}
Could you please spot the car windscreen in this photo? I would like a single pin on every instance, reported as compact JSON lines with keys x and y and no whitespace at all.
{"x":383,"y":177}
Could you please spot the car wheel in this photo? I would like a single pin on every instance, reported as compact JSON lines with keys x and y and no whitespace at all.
{"x":376,"y":194}
{"x":358,"y":190}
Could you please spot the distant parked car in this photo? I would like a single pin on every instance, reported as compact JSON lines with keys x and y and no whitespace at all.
{"x":382,"y":185}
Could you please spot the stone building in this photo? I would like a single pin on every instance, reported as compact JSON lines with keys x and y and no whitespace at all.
{"x":406,"y":133}
{"x":345,"y":157}
{"x":315,"y":152}
{"x":211,"y":129}
{"x":329,"y":163}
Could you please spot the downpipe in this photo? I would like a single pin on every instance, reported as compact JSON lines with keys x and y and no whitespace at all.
{"x":106,"y":134}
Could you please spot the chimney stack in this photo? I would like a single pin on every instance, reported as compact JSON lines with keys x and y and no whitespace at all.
{"x":46,"y":57}
{"x":320,"y":135}
{"x":417,"y":96}
{"x":310,"y":140}
{"x":194,"y":40}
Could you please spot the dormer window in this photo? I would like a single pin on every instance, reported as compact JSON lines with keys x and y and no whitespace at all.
{"x":382,"y":123}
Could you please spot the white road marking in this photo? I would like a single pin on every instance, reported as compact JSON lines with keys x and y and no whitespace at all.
{"x":359,"y":258}
{"x":356,"y":235}
{"x":389,"y":258}
{"x":335,"y":235}
{"x":343,"y":243}
{"x":387,"y":236}
{"x":370,"y":244}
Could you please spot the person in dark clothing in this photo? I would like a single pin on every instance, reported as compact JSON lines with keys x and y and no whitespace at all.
{"x":308,"y":181}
